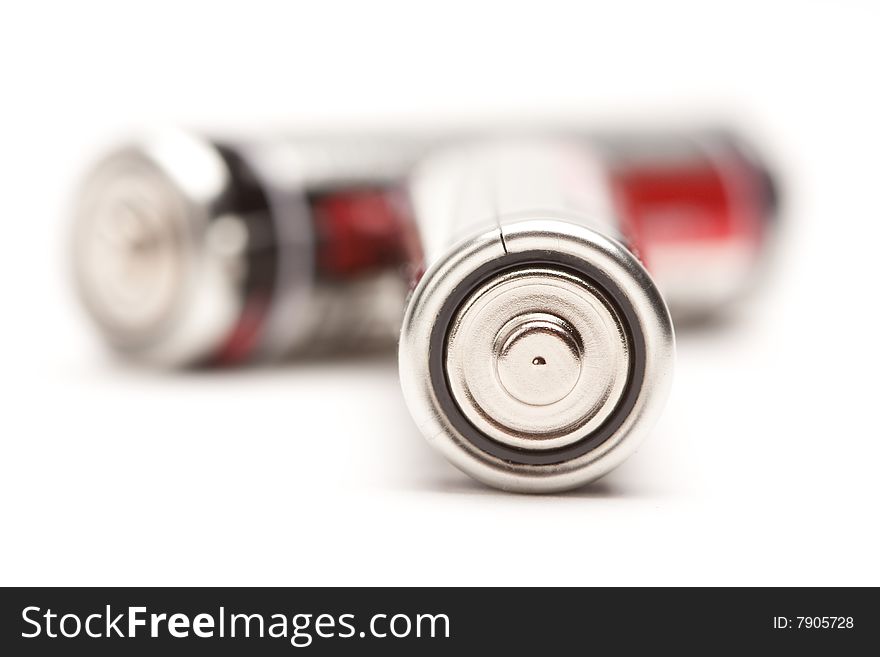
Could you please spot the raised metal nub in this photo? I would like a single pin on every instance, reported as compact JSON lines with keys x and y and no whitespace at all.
{"x":537,"y":358}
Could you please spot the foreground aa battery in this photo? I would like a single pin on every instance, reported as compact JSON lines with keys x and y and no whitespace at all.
{"x":194,"y":251}
{"x":536,"y":348}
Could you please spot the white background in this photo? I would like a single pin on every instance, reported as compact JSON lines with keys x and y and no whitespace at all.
{"x":763,"y":469}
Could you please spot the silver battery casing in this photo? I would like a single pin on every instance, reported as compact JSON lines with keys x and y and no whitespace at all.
{"x":524,"y":258}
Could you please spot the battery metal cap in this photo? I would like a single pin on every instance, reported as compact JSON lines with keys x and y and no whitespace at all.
{"x":536,"y":355}
{"x":156,"y":268}
{"x":536,"y":358}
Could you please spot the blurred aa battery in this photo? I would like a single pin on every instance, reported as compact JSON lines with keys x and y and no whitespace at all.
{"x":536,"y":349}
{"x":189,"y":250}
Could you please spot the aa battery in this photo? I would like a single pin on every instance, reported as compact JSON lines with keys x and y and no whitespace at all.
{"x":190,"y":250}
{"x":536,"y":349}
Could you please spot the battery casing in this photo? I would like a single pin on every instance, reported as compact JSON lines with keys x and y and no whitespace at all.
{"x":536,"y":349}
